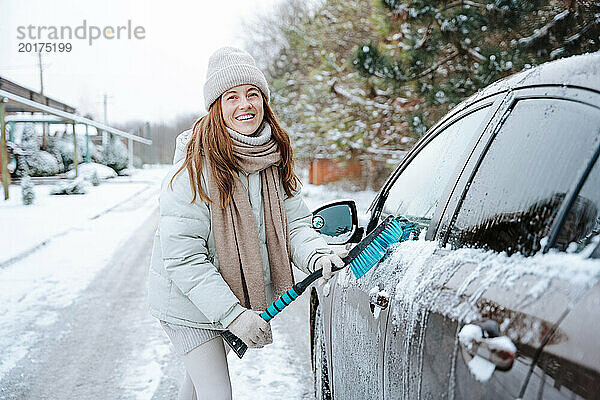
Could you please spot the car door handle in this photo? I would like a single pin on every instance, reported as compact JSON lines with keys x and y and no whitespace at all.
{"x":481,"y":339}
{"x":378,"y":300}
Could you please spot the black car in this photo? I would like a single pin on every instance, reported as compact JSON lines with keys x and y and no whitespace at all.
{"x":498,"y":296}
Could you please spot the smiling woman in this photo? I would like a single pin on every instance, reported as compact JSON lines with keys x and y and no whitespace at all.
{"x":230,"y":227}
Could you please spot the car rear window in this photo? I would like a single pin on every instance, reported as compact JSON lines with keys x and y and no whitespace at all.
{"x":533,"y":161}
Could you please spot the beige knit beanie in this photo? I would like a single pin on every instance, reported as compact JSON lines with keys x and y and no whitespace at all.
{"x":229,"y":67}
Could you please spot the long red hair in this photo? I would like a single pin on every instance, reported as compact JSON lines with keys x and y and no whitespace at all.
{"x":211,"y":139}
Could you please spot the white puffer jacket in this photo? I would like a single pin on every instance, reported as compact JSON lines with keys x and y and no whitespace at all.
{"x":184,"y":283}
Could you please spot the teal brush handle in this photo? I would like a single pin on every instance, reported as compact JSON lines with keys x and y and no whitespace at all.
{"x":238,"y":346}
{"x":281,"y":303}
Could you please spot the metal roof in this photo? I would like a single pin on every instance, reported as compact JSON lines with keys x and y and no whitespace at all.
{"x":32,"y":95}
{"x":71,"y":117}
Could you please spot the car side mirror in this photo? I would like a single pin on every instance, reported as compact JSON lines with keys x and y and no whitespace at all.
{"x":337,"y":222}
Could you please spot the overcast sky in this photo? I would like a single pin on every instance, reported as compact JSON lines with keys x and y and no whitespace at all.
{"x":154,"y":79}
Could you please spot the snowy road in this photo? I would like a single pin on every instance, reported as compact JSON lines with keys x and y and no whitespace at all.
{"x":73,"y":314}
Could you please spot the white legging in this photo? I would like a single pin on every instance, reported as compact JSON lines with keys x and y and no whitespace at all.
{"x":207,"y":374}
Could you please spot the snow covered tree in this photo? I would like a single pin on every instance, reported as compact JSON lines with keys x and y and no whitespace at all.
{"x":63,"y":146}
{"x":94,"y":179}
{"x":27,"y":192}
{"x":29,"y":138}
{"x":33,"y":161}
{"x":443,"y":51}
{"x":39,"y":163}
{"x":329,"y":108}
{"x":114,"y":154}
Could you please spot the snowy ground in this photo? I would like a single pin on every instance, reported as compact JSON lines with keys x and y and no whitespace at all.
{"x":73,"y":317}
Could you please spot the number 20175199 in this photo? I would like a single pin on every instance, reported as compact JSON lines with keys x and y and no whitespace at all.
{"x":46,"y":47}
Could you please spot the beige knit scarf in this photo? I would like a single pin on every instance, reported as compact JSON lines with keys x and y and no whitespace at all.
{"x":236,"y":233}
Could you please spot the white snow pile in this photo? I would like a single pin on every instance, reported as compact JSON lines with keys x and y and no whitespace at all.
{"x":481,"y":368}
{"x":76,"y":186}
{"x":470,"y":334}
{"x":86,"y":171}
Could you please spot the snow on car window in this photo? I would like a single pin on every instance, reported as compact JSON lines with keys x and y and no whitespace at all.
{"x":530,"y":166}
{"x":417,"y":191}
{"x":583,"y":220}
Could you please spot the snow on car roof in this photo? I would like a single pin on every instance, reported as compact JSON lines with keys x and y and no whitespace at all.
{"x":577,"y":71}
{"x":581,"y":70}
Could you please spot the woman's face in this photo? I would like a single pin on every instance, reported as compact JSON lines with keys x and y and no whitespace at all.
{"x":243,"y":108}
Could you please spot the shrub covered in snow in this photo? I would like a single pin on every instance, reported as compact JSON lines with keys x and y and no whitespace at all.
{"x":76,"y":186}
{"x":87,"y":170}
{"x":27,"y":192}
{"x":37,"y":163}
{"x":29,"y":138}
{"x":64,"y":147}
{"x":114,"y":154}
{"x":94,"y":179}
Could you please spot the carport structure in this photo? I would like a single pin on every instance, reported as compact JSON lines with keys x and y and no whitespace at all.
{"x":15,"y":98}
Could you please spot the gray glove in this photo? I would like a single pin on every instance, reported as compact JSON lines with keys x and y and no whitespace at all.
{"x":326,"y":262}
{"x":251,"y":329}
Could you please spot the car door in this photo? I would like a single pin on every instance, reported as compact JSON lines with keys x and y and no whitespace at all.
{"x":359,"y":308}
{"x":569,"y":365}
{"x":496,"y":223}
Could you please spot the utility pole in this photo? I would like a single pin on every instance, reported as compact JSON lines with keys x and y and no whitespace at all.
{"x":75,"y":155}
{"x":4,"y":152}
{"x":104,"y":134}
{"x":150,"y":156}
{"x":41,"y":67}
{"x":41,"y":73}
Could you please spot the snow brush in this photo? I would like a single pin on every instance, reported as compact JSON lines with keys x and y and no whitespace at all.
{"x":364,"y":256}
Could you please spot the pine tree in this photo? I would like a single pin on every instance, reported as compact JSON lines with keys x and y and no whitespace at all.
{"x":114,"y":154}
{"x":27,"y":192}
{"x":95,"y":181}
{"x":443,"y":51}
{"x":323,"y":101}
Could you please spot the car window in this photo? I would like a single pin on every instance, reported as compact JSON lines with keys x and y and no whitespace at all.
{"x":583,"y":220}
{"x":417,"y":190}
{"x":533,"y":161}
